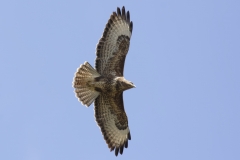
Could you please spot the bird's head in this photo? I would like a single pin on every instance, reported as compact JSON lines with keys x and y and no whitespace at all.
{"x":125,"y":84}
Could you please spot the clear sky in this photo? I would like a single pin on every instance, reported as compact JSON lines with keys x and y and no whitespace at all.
{"x":184,"y":59}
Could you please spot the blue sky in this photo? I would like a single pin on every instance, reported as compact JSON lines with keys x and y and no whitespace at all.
{"x":184,"y":59}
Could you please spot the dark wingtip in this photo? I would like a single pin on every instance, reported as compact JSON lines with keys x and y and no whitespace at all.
{"x":128,"y":17}
{"x":114,"y":14}
{"x":131,"y":26}
{"x":112,"y":148}
{"x":129,"y":136}
{"x":116,"y":151}
{"x":121,"y":149}
{"x":119,"y":11}
{"x":126,"y":144}
{"x":125,"y":16}
{"x":123,"y":13}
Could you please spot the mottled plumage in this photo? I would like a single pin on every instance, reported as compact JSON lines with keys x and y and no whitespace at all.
{"x":106,"y":84}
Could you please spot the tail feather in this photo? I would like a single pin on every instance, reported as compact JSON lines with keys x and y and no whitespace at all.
{"x":85,"y":74}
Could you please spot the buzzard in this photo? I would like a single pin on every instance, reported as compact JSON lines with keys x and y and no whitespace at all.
{"x":105,"y":84}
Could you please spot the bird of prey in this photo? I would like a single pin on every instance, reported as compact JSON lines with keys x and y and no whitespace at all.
{"x":105,"y":84}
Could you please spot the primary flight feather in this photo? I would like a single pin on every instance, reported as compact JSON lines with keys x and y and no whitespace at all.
{"x":105,"y":84}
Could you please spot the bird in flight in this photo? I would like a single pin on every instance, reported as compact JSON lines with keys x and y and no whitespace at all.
{"x":104,"y":84}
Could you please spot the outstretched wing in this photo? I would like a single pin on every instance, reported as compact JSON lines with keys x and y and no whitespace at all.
{"x":112,"y":119}
{"x":112,"y":48}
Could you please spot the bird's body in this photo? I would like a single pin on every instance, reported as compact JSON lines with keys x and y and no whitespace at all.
{"x":110,"y":84}
{"x":105,"y":85}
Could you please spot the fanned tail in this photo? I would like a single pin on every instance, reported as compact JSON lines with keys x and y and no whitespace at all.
{"x":85,"y":74}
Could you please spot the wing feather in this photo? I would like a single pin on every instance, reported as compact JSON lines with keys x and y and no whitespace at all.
{"x":112,"y":48}
{"x":113,"y":122}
